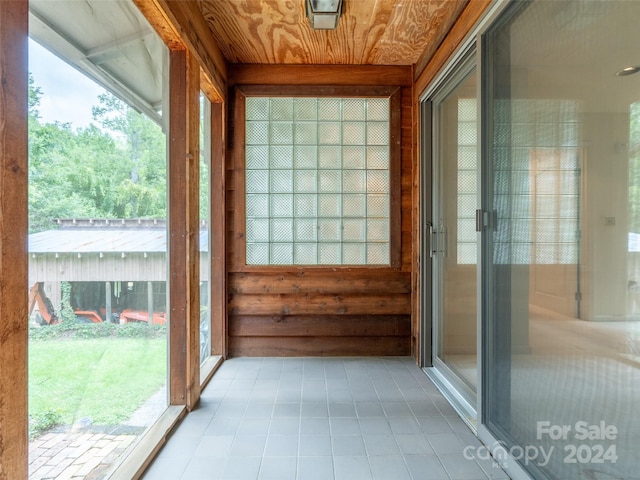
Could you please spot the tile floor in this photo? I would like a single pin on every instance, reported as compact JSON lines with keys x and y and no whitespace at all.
{"x":321,"y":419}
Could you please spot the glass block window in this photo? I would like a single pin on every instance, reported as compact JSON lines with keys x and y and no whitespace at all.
{"x":317,"y":181}
{"x":467,"y":181}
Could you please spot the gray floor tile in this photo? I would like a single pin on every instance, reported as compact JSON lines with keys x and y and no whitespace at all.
{"x":431,"y":425}
{"x":492,"y":469}
{"x":458,"y":425}
{"x":180,"y":445}
{"x":167,"y":468}
{"x":389,"y":467}
{"x":278,"y":468}
{"x":339,"y":395}
{"x":342,"y":409}
{"x":284,"y":426}
{"x":364,"y":394}
{"x":223,"y":426}
{"x":443,"y":443}
{"x":469,"y":439}
{"x":289,"y":396}
{"x":263,"y":396}
{"x":197,"y":422}
{"x":201,"y":468}
{"x":231,"y":409}
{"x":315,"y":445}
{"x":387,"y":394}
{"x":286,"y":409}
{"x":314,"y":409}
{"x":375,"y":426}
{"x":314,"y":426}
{"x":426,"y":467}
{"x":445,"y":407}
{"x":214,"y":446}
{"x":282,"y":446}
{"x":315,"y":468}
{"x":259,"y":409}
{"x":254,"y":426}
{"x":460,"y":468}
{"x":238,"y":394}
{"x":380,"y":445}
{"x":348,"y":445}
{"x":351,"y":468}
{"x":369,"y":409}
{"x":414,"y":444}
{"x":424,"y":408}
{"x":344,"y":426}
{"x":321,"y":419}
{"x":314,"y":395}
{"x":248,"y":446}
{"x":241,"y":468}
{"x":397,"y":409}
{"x":403,"y":425}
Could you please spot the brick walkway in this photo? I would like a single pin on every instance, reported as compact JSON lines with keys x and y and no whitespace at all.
{"x":89,"y":452}
{"x":80,"y":455}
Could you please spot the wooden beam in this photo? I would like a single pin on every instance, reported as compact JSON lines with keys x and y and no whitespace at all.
{"x":366,"y":75}
{"x":184,"y":229}
{"x":13,"y":239}
{"x":467,"y":19}
{"x":177,"y":241}
{"x":159,"y":21}
{"x":218,"y":229}
{"x":193,"y":229}
{"x":187,"y":19}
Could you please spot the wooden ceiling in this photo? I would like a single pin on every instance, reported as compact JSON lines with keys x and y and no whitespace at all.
{"x":370,"y":32}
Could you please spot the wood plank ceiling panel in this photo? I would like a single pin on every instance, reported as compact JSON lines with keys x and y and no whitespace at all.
{"x":415,"y":26}
{"x":370,"y":32}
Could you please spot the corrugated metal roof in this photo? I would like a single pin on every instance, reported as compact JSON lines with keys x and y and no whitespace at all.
{"x":104,"y":240}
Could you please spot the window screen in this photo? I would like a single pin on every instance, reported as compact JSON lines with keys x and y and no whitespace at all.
{"x":317,"y":181}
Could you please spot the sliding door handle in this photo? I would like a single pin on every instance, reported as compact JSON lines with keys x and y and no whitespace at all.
{"x":433,"y":240}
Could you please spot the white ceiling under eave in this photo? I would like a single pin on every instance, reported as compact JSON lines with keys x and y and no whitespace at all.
{"x":110,"y":42}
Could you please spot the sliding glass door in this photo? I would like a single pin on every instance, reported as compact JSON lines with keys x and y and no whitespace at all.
{"x":451,"y":240}
{"x":560,"y":154}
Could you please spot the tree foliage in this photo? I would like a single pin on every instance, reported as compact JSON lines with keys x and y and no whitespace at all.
{"x":116,"y":171}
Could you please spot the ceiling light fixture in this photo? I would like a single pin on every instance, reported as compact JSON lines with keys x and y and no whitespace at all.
{"x":324,"y":14}
{"x":628,"y":71}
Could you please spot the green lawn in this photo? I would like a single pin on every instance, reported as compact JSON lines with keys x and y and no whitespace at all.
{"x":105,"y":379}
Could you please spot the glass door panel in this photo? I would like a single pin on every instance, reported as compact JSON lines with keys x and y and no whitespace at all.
{"x":559,"y":273}
{"x":453,"y":235}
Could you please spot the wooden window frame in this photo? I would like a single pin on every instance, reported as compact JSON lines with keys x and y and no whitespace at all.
{"x":239,"y":157}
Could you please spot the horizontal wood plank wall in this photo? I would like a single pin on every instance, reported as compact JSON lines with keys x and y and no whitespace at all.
{"x":330,"y":311}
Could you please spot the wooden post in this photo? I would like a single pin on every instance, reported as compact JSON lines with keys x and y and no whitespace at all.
{"x":218,"y":232}
{"x":13,"y":239}
{"x":184,"y":229}
{"x":150,"y":302}
{"x":107,"y":302}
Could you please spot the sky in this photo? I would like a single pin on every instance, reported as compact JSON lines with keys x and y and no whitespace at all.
{"x":67,"y":95}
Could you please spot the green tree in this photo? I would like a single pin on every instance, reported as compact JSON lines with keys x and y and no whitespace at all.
{"x":143,"y":194}
{"x":35,"y":94}
{"x":118,"y":172}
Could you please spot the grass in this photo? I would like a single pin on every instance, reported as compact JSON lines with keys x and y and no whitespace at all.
{"x":105,"y":379}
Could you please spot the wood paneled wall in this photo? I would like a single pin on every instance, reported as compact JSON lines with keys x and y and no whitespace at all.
{"x":299,"y":311}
